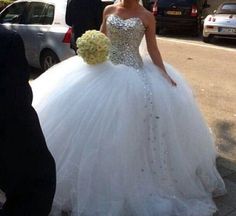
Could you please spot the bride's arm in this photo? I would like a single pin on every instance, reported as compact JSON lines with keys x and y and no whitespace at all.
{"x":108,"y":10}
{"x":152,"y":47}
{"x":103,"y":25}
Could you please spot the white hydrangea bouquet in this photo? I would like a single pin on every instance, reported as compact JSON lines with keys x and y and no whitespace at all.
{"x":93,"y":46}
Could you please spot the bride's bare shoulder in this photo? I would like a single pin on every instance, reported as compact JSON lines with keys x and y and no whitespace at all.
{"x":110,"y":9}
{"x":147,"y":16}
{"x":144,"y":12}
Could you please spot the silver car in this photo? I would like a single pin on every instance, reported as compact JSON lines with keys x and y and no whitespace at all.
{"x":41,"y":24}
{"x":222,"y":23}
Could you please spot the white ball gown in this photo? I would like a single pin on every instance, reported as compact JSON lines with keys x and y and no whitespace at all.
{"x":126,"y":143}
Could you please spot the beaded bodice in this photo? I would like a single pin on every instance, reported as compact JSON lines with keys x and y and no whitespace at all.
{"x":125,"y":36}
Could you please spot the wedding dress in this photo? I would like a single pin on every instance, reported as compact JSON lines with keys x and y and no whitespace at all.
{"x":126,"y":143}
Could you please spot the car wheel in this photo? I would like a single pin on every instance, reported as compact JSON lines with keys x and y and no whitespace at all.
{"x":48,"y":59}
{"x":207,"y":39}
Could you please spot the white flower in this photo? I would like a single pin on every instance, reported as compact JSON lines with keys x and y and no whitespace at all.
{"x":93,"y":46}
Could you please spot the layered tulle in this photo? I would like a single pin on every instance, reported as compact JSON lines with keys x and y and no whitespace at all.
{"x":125,"y":142}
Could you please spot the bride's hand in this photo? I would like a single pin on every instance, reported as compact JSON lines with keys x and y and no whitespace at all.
{"x":171,"y":81}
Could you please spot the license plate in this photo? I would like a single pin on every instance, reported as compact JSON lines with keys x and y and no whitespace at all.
{"x":227,"y":30}
{"x":176,"y":13}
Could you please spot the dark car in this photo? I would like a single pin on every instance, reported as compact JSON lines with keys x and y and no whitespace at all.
{"x":179,"y":14}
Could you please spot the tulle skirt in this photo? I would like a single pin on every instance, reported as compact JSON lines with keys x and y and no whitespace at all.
{"x":125,"y":142}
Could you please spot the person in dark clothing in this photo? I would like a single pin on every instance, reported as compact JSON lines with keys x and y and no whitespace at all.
{"x":83,"y":15}
{"x":27,"y":168}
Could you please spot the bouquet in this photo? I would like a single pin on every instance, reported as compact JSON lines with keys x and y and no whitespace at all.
{"x":93,"y":46}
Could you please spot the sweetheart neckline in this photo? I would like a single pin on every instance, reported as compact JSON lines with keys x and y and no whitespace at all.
{"x":125,"y":19}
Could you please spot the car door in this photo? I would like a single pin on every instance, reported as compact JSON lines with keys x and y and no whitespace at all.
{"x":35,"y":25}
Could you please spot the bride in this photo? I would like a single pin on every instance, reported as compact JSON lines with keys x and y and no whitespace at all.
{"x":127,"y":136}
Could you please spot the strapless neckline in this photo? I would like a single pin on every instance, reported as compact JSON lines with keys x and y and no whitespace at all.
{"x":127,"y":19}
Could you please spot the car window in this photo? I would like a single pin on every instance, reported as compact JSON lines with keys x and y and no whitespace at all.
{"x":49,"y":15}
{"x":227,"y":8}
{"x":40,"y":13}
{"x":14,"y":13}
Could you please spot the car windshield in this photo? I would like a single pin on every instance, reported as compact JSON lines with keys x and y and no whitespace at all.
{"x":229,"y":8}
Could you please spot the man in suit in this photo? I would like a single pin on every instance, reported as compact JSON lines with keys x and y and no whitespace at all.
{"x":27,"y":169}
{"x":83,"y":15}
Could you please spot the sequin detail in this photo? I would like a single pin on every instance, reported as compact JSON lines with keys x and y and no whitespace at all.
{"x":125,"y":36}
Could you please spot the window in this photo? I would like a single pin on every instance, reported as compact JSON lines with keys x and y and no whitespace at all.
{"x":40,"y":13}
{"x":49,"y":16}
{"x":229,"y":8}
{"x":14,"y":13}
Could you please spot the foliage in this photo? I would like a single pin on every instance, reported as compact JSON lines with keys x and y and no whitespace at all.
{"x":6,"y":1}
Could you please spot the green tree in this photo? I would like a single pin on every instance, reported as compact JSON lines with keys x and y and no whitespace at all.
{"x":4,"y":3}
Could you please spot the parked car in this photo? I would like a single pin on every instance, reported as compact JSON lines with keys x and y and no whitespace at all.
{"x":222,"y":23}
{"x":41,"y":24}
{"x":178,"y":14}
